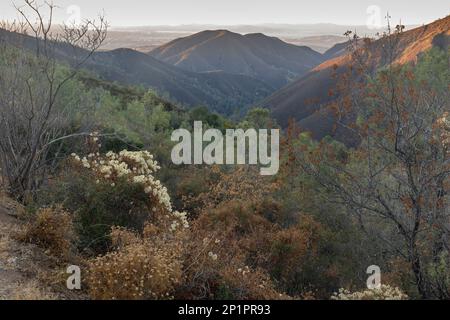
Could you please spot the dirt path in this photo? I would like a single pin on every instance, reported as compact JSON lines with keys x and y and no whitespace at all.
{"x":9,"y":277}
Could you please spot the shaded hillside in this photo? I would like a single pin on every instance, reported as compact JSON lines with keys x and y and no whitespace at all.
{"x":218,"y":90}
{"x":337,"y":50}
{"x":256,"y":55}
{"x":303,"y":99}
{"x":125,"y":94}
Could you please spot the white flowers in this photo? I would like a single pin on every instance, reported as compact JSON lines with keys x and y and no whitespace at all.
{"x":139,"y":179}
{"x":212,"y":255}
{"x":137,"y":167}
{"x":85,"y":163}
{"x":385,"y":292}
{"x":182,"y":216}
{"x":444,"y":125}
{"x":244,"y":270}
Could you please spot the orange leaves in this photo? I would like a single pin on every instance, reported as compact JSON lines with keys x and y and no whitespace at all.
{"x":408,"y":204}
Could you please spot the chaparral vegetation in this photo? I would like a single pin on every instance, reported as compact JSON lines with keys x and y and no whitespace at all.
{"x":88,"y":162}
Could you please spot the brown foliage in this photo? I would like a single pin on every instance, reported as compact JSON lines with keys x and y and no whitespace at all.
{"x":140,"y":268}
{"x":52,"y":229}
{"x":241,"y":183}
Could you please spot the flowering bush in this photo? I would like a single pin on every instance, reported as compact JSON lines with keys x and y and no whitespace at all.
{"x":135,"y":213}
{"x":135,"y":167}
{"x":115,"y":189}
{"x":385,"y":292}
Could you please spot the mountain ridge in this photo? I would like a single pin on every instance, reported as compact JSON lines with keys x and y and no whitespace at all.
{"x":256,"y":55}
{"x":221,"y":92}
{"x":306,"y":99}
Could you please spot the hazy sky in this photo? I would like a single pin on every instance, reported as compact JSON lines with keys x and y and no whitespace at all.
{"x":225,"y":12}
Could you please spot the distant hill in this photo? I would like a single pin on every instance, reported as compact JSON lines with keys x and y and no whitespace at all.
{"x":318,"y":43}
{"x":219,"y":91}
{"x":266,"y":58}
{"x":337,"y":50}
{"x":305,"y":100}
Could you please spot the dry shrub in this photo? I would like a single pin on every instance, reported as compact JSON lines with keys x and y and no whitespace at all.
{"x":140,"y":268}
{"x":220,"y":254}
{"x":145,"y":261}
{"x":239,"y":238}
{"x":243,"y":183}
{"x":247,"y":284}
{"x":398,"y":274}
{"x":122,"y":237}
{"x":290,"y":249}
{"x":52,"y":229}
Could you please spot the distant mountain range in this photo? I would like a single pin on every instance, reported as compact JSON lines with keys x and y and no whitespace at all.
{"x":306,"y":99}
{"x":266,"y":58}
{"x":320,"y":36}
{"x":229,"y":72}
{"x":220,"y":91}
{"x":224,"y":71}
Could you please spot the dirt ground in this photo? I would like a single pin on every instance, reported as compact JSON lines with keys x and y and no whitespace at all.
{"x":26,"y":271}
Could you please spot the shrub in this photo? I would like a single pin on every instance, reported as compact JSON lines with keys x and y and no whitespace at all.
{"x":140,"y":268}
{"x":51,"y":229}
{"x":302,"y":259}
{"x":137,"y":169}
{"x":385,"y":292}
{"x":247,"y":284}
{"x":221,"y":255}
{"x":243,"y":183}
{"x":116,"y":189}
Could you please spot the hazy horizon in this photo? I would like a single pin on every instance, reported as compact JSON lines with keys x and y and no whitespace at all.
{"x":176,"y":13}
{"x":262,"y":24}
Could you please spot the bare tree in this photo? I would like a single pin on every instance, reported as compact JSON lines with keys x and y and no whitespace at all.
{"x":32,"y":118}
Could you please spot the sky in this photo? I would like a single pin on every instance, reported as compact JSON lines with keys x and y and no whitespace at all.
{"x":234,"y":12}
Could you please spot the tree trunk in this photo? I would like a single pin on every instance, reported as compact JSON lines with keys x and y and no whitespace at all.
{"x":418,"y":274}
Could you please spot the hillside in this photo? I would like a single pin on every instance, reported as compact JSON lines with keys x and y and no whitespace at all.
{"x":219,"y":91}
{"x":337,"y":50}
{"x":303,"y":99}
{"x":255,"y":55}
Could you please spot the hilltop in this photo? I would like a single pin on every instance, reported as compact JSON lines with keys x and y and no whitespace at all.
{"x":220,"y":91}
{"x":303,"y":98}
{"x":256,"y":55}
